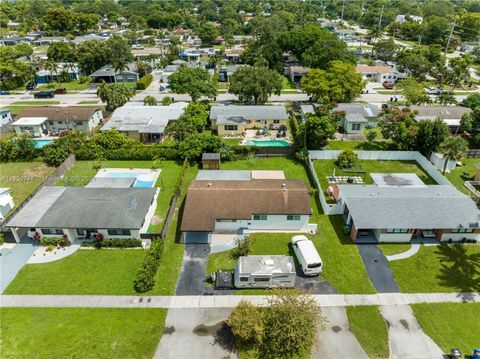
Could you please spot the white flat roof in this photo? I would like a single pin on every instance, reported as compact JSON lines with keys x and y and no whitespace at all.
{"x":30,"y":121}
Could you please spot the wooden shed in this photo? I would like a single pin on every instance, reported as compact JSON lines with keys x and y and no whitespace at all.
{"x":211,"y":161}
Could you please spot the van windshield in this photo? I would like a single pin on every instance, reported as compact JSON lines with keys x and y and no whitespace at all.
{"x":314,"y":265}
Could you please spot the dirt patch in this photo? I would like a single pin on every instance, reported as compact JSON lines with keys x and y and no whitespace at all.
{"x":336,"y":329}
{"x":404,"y":323}
{"x":169,"y":330}
{"x":40,"y":170}
{"x":156,"y":219}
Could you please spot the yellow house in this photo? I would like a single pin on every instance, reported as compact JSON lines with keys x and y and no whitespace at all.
{"x":233,"y":120}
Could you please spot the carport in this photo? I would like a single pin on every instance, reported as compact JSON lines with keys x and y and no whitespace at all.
{"x":196,"y":237}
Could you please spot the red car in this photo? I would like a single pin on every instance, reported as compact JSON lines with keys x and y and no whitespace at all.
{"x":388,"y":85}
{"x":61,"y":91}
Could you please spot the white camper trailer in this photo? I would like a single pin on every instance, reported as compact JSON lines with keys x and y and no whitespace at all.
{"x":264,"y":272}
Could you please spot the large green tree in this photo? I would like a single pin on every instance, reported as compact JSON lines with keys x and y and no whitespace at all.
{"x":61,"y":52}
{"x":194,"y":81}
{"x":385,"y":49}
{"x":318,"y":129}
{"x":430,"y":134}
{"x":339,"y":83}
{"x":414,"y":91}
{"x":453,"y":148}
{"x":120,"y":52}
{"x":92,"y":55}
{"x":255,"y":84}
{"x":207,"y":33}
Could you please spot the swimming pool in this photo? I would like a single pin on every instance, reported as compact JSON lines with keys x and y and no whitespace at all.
{"x":41,"y":143}
{"x":267,"y":143}
{"x":138,"y":183}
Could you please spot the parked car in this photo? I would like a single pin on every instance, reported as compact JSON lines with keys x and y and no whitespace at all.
{"x":433,"y":91}
{"x":4,"y":93}
{"x":388,"y":85}
{"x":164,"y":88}
{"x":137,"y":47}
{"x":476,"y":354}
{"x":307,"y":255}
{"x":31,"y":232}
{"x":60,"y":91}
{"x":44,"y":94}
{"x":31,"y":86}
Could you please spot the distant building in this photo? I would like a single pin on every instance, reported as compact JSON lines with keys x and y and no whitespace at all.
{"x":404,"y":18}
{"x":378,"y":73}
{"x":108,"y":74}
{"x":69,"y":71}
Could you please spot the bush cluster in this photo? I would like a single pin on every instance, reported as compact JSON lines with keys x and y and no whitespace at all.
{"x":145,"y":280}
{"x":143,"y":83}
{"x":115,"y":243}
{"x":55,"y":241}
{"x":243,"y":247}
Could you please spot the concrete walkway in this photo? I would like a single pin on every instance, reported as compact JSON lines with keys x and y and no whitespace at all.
{"x":227,"y":301}
{"x":42,"y":256}
{"x":13,"y":259}
{"x":378,"y":270}
{"x":407,"y":339}
{"x":407,"y":254}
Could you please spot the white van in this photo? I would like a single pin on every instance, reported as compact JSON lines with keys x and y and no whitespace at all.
{"x":307,"y":255}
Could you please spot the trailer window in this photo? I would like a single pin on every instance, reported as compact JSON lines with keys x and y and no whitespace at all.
{"x":261,"y":279}
{"x":314,"y":265}
{"x":243,"y":279}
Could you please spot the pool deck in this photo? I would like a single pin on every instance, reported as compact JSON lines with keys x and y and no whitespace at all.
{"x":141,"y":174}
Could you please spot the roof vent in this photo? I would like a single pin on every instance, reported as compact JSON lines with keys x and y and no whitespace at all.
{"x":284,"y":185}
{"x":209,"y":184}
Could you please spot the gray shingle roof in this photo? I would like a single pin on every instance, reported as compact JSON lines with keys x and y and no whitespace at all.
{"x":260,"y":112}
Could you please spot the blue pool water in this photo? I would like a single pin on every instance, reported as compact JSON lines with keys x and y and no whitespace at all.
{"x":138,"y":183}
{"x":268,"y":143}
{"x":41,"y":143}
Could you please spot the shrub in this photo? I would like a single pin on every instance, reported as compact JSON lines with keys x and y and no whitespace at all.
{"x":150,"y":101}
{"x":115,"y":243}
{"x":347,"y":157}
{"x":83,"y":79}
{"x":371,"y":135}
{"x":167,"y":101}
{"x":145,"y":279}
{"x":143,"y":83}
{"x":246,"y":322}
{"x":55,"y":241}
{"x":243,"y":247}
{"x":2,"y":239}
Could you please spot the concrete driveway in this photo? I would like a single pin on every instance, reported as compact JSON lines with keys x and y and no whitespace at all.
{"x":192,"y":275}
{"x":13,"y":259}
{"x":196,"y":333}
{"x":378,"y":270}
{"x":336,"y":340}
{"x":407,"y":339}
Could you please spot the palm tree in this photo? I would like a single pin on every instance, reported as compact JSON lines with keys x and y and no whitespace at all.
{"x":119,"y":66}
{"x":453,"y":148}
{"x":375,"y":32}
{"x":69,"y":68}
{"x":103,"y":91}
{"x":53,"y":68}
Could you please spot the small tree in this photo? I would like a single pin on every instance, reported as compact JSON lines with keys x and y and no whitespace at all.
{"x":453,"y":148}
{"x":150,"y":101}
{"x":371,"y":135}
{"x":166,"y":101}
{"x":347,"y":158}
{"x":243,"y":247}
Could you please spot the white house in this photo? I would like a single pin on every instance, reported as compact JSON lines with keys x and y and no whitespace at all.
{"x":378,"y":73}
{"x":404,"y":18}
{"x":49,"y":120}
{"x":6,"y":202}
{"x":238,"y":202}
{"x":5,"y":117}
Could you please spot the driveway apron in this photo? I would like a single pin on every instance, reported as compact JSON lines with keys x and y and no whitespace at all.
{"x":192,"y":274}
{"x":336,"y":340}
{"x":13,"y":259}
{"x":378,"y":270}
{"x":407,"y":339}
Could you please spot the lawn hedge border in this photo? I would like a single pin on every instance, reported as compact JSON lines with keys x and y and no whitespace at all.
{"x":144,"y":81}
{"x":114,"y":243}
{"x":145,"y":279}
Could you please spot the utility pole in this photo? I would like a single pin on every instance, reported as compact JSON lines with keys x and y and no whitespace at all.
{"x":343,"y":9}
{"x":380,"y":20}
{"x":449,"y":38}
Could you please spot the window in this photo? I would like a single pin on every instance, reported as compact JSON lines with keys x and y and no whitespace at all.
{"x":463,"y":230}
{"x":60,"y":122}
{"x":46,"y":231}
{"x":259,"y":217}
{"x":50,"y":123}
{"x":261,"y":279}
{"x":78,"y":123}
{"x":356,"y":126}
{"x":276,"y":121}
{"x":118,"y":232}
{"x":231,"y":127}
{"x":293,"y":217}
{"x":243,"y":279}
{"x":397,"y":230}
{"x":59,"y":231}
{"x":80,"y":231}
{"x":249,"y":122}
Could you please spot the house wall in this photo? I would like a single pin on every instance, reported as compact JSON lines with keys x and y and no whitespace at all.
{"x":35,"y":131}
{"x":250,"y":125}
{"x":383,"y":236}
{"x":349,"y":127}
{"x":446,"y":234}
{"x":72,"y":234}
{"x":273,"y":223}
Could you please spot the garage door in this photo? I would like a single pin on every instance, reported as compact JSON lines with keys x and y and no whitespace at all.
{"x":197,"y":237}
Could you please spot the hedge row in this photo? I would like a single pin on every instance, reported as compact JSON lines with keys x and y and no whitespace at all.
{"x":145,"y":280}
{"x":143,"y":83}
{"x":115,"y":243}
{"x":55,"y":241}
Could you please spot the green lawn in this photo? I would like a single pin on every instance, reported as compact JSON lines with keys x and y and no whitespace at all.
{"x":359,"y":145}
{"x":325,"y":168}
{"x":83,"y":272}
{"x":232,"y":141}
{"x":343,"y":266}
{"x":36,"y":103}
{"x":389,"y":249}
{"x":23,"y":177}
{"x":88,"y":102}
{"x":80,"y":332}
{"x":444,"y":268}
{"x":463,"y":173}
{"x":69,"y":86}
{"x":83,"y":171}
{"x":368,"y":325}
{"x":450,"y":325}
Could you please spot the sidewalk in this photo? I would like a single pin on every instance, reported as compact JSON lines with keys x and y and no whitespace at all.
{"x":226,"y":301}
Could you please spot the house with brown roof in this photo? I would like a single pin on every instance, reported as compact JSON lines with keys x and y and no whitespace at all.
{"x":50,"y":120}
{"x":240,"y":202}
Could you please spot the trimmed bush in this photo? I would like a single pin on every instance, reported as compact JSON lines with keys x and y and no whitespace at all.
{"x":115,"y":243}
{"x":134,"y":153}
{"x":143,"y":83}
{"x":55,"y":241}
{"x":145,"y":280}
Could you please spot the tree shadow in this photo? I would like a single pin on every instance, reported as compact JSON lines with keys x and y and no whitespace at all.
{"x":460,"y":269}
{"x":225,"y":339}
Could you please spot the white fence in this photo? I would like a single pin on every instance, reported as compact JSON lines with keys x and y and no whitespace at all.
{"x":374,"y":156}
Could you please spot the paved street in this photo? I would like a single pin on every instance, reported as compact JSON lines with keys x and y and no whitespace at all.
{"x":227,"y":301}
